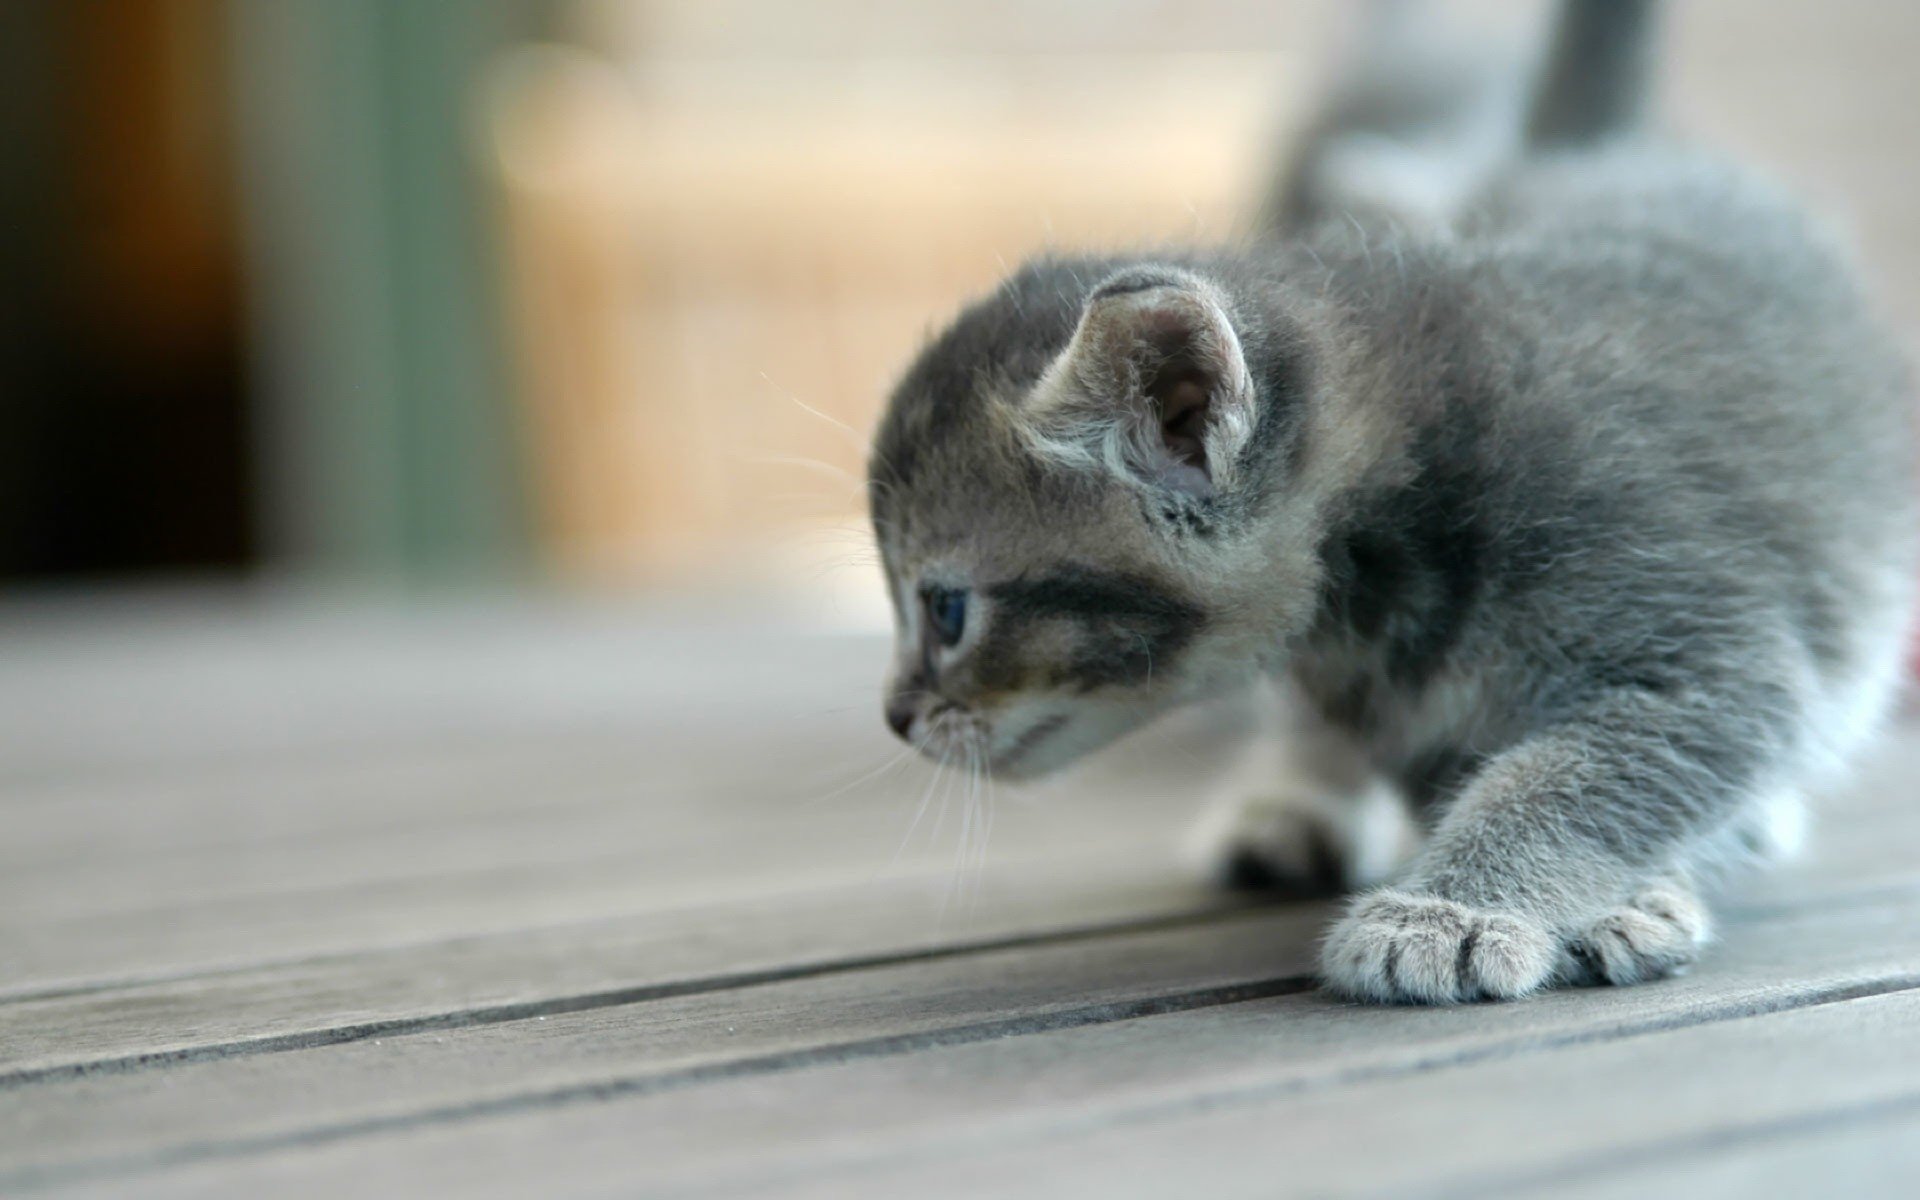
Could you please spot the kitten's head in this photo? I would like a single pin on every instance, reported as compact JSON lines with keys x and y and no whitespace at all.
{"x":1074,"y":490}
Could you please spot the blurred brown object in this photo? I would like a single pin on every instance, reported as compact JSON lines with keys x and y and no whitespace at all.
{"x":122,"y":407}
{"x":155,"y":254}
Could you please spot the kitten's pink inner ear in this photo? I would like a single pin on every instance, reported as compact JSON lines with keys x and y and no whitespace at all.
{"x":1183,"y":420}
{"x":1158,"y":363}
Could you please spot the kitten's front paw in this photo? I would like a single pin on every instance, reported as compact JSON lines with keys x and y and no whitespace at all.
{"x":1658,"y":933}
{"x":1398,"y":947}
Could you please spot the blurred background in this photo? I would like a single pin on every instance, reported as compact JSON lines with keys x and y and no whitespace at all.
{"x":606,"y":293}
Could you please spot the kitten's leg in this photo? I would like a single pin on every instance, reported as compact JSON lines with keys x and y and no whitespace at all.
{"x":1306,"y":815}
{"x":1558,"y":839}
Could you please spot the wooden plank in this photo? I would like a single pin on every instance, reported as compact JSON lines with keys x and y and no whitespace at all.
{"x":409,"y":950}
{"x":506,"y":915}
{"x":1059,"y":982}
{"x":1863,"y":1153}
{"x":578,"y":850}
{"x":845,"y":793}
{"x":1469,"y":1131}
{"x":830,"y":1078}
{"x":237,"y":807}
{"x":563,"y":823}
{"x":216,"y":906}
{"x":549,"y":816}
{"x":153,"y":683}
{"x":255,"y":921}
{"x":695,"y":944}
{"x":151,"y":844}
{"x":198,"y":910}
{"x":213,"y":866}
{"x":731,"y":935}
{"x":181,"y":875}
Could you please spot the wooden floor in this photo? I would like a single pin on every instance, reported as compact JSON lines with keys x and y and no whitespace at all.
{"x":323,"y":898}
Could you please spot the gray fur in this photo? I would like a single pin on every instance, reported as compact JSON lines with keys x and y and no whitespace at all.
{"x":1587,"y":518}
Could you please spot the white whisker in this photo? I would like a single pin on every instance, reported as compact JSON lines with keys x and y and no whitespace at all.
{"x":859,"y":440}
{"x":926,"y":796}
{"x":868,"y":777}
{"x":819,"y":466}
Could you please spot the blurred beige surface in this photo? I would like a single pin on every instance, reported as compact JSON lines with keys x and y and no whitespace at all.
{"x":731,"y":218}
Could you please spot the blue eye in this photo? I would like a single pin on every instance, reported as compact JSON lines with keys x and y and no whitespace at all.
{"x":946,"y":614}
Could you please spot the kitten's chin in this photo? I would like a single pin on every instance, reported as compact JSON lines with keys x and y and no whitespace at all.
{"x":1058,"y":741}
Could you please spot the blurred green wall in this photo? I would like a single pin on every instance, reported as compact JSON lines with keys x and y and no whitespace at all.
{"x":387,"y":430}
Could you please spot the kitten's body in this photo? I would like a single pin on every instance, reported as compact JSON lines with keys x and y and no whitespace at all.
{"x":1585,"y":516}
{"x":1637,"y":419}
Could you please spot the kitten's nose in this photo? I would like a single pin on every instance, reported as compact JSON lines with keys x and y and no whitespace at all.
{"x":900,"y":715}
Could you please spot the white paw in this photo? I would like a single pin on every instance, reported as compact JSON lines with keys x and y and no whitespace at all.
{"x":1397,"y":947}
{"x":1659,"y":933}
{"x":1309,"y":847}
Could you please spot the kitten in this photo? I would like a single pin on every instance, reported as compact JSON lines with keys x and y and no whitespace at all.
{"x":1582,"y":514}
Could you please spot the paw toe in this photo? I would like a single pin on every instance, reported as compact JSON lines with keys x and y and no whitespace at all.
{"x":1657,"y":934}
{"x":1398,"y":947}
{"x":1508,"y":957}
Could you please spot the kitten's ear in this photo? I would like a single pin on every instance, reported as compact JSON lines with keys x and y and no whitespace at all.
{"x":1153,"y":386}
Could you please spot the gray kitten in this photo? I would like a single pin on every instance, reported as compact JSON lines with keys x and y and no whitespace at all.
{"x":1579,"y":509}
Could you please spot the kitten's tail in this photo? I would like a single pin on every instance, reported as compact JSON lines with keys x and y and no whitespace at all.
{"x":1596,"y":80}
{"x":1419,"y":115}
{"x":1411,"y":114}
